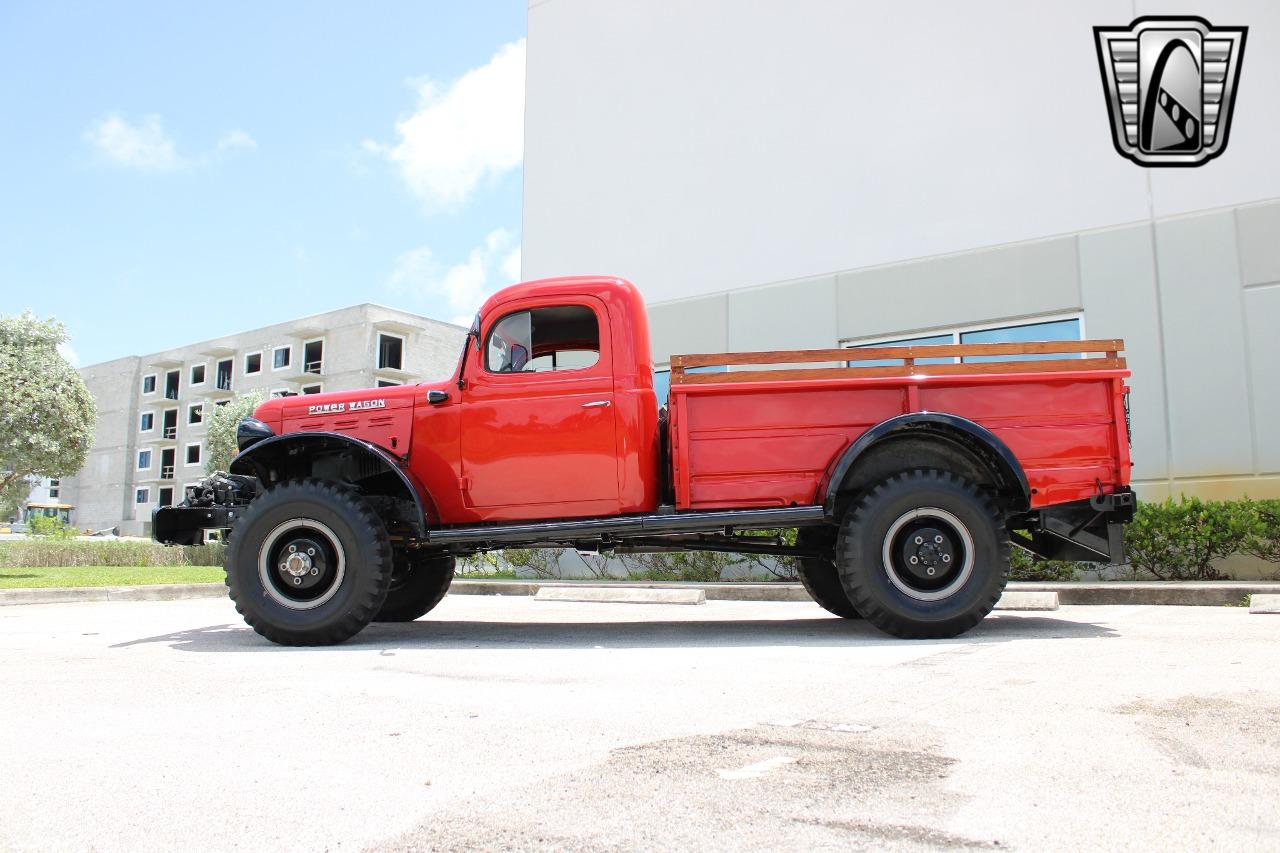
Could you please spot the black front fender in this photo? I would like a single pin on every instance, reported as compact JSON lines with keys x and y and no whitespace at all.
{"x":295,"y":455}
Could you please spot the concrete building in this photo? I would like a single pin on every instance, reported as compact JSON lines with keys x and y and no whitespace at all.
{"x":815,"y":174}
{"x":152,"y":409}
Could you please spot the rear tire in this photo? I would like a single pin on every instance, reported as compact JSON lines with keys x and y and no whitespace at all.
{"x":309,"y":563}
{"x":923,"y":554}
{"x":819,"y":575}
{"x":418,"y":584}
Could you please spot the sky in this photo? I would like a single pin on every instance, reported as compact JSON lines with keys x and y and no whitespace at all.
{"x":171,"y":172}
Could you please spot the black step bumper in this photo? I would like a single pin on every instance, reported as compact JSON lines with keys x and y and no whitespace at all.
{"x":185,"y":525}
{"x":1087,"y":531}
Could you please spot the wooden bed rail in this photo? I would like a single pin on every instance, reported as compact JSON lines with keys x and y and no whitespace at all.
{"x":1108,"y":358}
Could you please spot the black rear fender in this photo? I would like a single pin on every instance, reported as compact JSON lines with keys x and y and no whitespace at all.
{"x":926,"y":440}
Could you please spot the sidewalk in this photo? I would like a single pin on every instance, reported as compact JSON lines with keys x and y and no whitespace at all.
{"x":1201,"y":593}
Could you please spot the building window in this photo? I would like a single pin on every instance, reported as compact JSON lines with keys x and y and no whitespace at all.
{"x":387,"y":383}
{"x":281,"y":392}
{"x":195,"y":413}
{"x":928,"y":340}
{"x":313,"y":356}
{"x":390,"y":352}
{"x":280,"y":357}
{"x":147,"y":422}
{"x":310,"y":389}
{"x":223,"y":377}
{"x":1059,"y":329}
{"x":193,"y":453}
{"x":1053,"y":330}
{"x":197,"y":374}
{"x":166,"y":496}
{"x":53,"y":492}
{"x":144,"y":460}
{"x":172,"y":379}
{"x":169,"y":424}
{"x":141,"y":496}
{"x":149,"y":384}
{"x":221,"y":402}
{"x":253,"y":363}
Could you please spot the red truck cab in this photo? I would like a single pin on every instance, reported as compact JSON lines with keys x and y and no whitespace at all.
{"x":908,"y":470}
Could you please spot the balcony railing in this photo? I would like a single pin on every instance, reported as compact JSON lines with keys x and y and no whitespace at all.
{"x":166,"y":472}
{"x":171,"y":393}
{"x":314,"y":366}
{"x":224,"y":383}
{"x":171,"y":432}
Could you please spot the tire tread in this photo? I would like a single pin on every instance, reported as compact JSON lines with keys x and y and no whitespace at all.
{"x":370,"y":595}
{"x":860,"y":593}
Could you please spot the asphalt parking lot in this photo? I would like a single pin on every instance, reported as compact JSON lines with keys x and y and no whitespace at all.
{"x":507,"y":723}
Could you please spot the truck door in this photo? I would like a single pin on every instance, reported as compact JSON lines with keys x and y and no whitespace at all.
{"x":538,"y":436}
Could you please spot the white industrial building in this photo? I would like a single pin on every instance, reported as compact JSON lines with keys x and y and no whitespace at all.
{"x":814,"y":173}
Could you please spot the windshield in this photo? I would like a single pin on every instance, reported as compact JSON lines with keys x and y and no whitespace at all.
{"x":472,"y":334}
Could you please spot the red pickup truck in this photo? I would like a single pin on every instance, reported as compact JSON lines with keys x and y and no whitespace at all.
{"x":908,"y":471}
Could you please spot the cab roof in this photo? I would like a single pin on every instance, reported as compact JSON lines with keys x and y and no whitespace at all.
{"x":601,"y":286}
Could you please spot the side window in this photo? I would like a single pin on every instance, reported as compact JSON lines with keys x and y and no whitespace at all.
{"x":542,"y":340}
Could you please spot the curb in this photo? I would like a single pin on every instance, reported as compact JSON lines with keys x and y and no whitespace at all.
{"x":623,"y":595}
{"x":1264,"y":603}
{"x":151,"y":592}
{"x":1023,"y":599}
{"x":1182,"y":593}
{"x":744,"y":591}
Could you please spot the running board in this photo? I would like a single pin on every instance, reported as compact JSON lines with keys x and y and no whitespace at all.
{"x":629,"y":525}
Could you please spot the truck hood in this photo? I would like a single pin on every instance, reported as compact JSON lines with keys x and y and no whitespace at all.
{"x":382,"y":416}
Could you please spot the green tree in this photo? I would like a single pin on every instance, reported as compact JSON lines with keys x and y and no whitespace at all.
{"x":48,"y":415}
{"x":220,"y":441}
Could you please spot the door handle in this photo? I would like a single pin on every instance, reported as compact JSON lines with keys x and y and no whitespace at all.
{"x":596,"y":404}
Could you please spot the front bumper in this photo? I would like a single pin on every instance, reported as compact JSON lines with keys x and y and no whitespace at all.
{"x":185,"y":525}
{"x":213,"y":504}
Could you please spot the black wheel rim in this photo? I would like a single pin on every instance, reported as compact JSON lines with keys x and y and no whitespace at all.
{"x":928,"y":554}
{"x":301,"y":564}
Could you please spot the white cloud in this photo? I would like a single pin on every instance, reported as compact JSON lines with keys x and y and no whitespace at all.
{"x":68,"y":352}
{"x":144,"y":146}
{"x":511,"y":265}
{"x":236,"y":138}
{"x":466,"y":133}
{"x":463,"y":286}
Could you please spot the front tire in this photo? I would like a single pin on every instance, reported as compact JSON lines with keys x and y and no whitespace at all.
{"x":309,"y":563}
{"x":418,"y":584}
{"x":923,"y":554}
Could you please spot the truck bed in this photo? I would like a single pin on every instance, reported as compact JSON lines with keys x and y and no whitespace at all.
{"x":768,"y":433}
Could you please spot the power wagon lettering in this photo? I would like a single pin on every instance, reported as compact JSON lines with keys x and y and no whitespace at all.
{"x":338,"y":408}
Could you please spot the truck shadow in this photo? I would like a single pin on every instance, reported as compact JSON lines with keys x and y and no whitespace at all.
{"x":821,"y":632}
